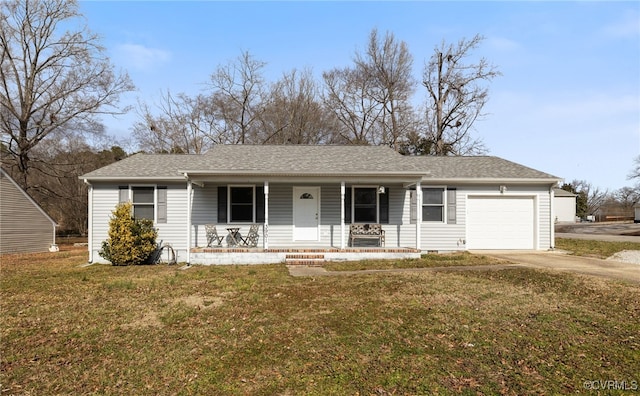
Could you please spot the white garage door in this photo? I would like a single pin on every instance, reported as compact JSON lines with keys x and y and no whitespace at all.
{"x":500,"y":223}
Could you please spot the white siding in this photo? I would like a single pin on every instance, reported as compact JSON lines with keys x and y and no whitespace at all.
{"x":174,"y":231}
{"x":565,"y":209}
{"x":452,"y":237}
{"x":400,"y":232}
{"x":281,"y":215}
{"x":545,"y":222}
{"x":105,"y":199}
{"x":204,"y":211}
{"x":442,"y":236}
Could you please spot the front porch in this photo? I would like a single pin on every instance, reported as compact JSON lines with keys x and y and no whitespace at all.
{"x":295,"y":256}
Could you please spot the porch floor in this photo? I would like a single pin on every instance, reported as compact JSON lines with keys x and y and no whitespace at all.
{"x":296,"y":255}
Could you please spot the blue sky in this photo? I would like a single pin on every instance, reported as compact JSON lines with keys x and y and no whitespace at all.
{"x":568,"y":102}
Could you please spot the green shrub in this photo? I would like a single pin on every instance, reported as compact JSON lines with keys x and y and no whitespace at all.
{"x":131,"y":241}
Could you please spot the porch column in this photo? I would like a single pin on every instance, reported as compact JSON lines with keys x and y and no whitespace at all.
{"x":418,"y":214}
{"x":342,"y":193}
{"x":265,"y":232}
{"x":189,"y":195}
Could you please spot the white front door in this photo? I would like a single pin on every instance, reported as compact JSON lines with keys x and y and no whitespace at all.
{"x":306,"y":213}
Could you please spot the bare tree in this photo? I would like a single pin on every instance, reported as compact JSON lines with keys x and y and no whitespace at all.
{"x":238,"y":93}
{"x":388,"y":63}
{"x":627,"y":197}
{"x":347,"y":96}
{"x":50,"y":79}
{"x":456,"y":97}
{"x":184,"y":124}
{"x":294,"y":113}
{"x":593,"y":197}
{"x":54,"y":181}
{"x":635,"y":172}
{"x":371,"y":99}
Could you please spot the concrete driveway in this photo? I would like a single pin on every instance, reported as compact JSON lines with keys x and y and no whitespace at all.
{"x":560,"y":261}
{"x":556,"y":261}
{"x":613,"y":232}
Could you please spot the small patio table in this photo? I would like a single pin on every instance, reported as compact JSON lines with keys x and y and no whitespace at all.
{"x":234,"y":234}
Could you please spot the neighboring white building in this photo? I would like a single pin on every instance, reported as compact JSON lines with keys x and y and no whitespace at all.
{"x":304,"y":199}
{"x":636,"y":211}
{"x":564,"y":206}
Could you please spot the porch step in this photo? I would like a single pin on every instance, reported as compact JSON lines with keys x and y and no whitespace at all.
{"x":313,"y":260}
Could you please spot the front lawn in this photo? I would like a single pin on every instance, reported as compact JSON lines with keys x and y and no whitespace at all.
{"x":237,"y":330}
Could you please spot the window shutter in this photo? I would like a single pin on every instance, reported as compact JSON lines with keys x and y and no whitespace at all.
{"x":384,"y":206}
{"x":162,"y":204}
{"x":123,"y":194}
{"x":451,"y":206}
{"x":222,"y":204}
{"x":259,"y":204}
{"x":413,"y":207}
{"x":347,"y":205}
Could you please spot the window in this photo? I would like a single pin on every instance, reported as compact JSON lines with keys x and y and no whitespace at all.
{"x":240,"y":204}
{"x":143,"y":202}
{"x":148,"y":202}
{"x":433,"y":204}
{"x":366,"y":205}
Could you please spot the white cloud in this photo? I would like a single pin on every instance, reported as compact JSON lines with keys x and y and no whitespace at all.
{"x":626,"y":27}
{"x":502,"y":43}
{"x":140,"y":57}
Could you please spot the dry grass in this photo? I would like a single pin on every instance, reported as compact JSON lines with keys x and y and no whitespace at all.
{"x":454,"y":259}
{"x":152,"y":330}
{"x":599,"y":249}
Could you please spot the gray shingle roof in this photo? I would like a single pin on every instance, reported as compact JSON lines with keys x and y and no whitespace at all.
{"x":563,"y":193}
{"x":313,"y":160}
{"x":303,"y":159}
{"x":477,"y":167}
{"x":145,"y":166}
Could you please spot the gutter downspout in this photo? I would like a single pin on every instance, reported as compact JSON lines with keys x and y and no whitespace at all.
{"x":189,"y":195}
{"x":418,"y":215}
{"x":90,"y":220}
{"x":552,"y":223}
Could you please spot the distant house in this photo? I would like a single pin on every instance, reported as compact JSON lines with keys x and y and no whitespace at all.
{"x":24,"y":226}
{"x":310,"y":200}
{"x":636,"y":212}
{"x":564,"y":205}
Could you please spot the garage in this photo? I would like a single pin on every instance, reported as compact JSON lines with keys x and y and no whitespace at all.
{"x":500,"y":222}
